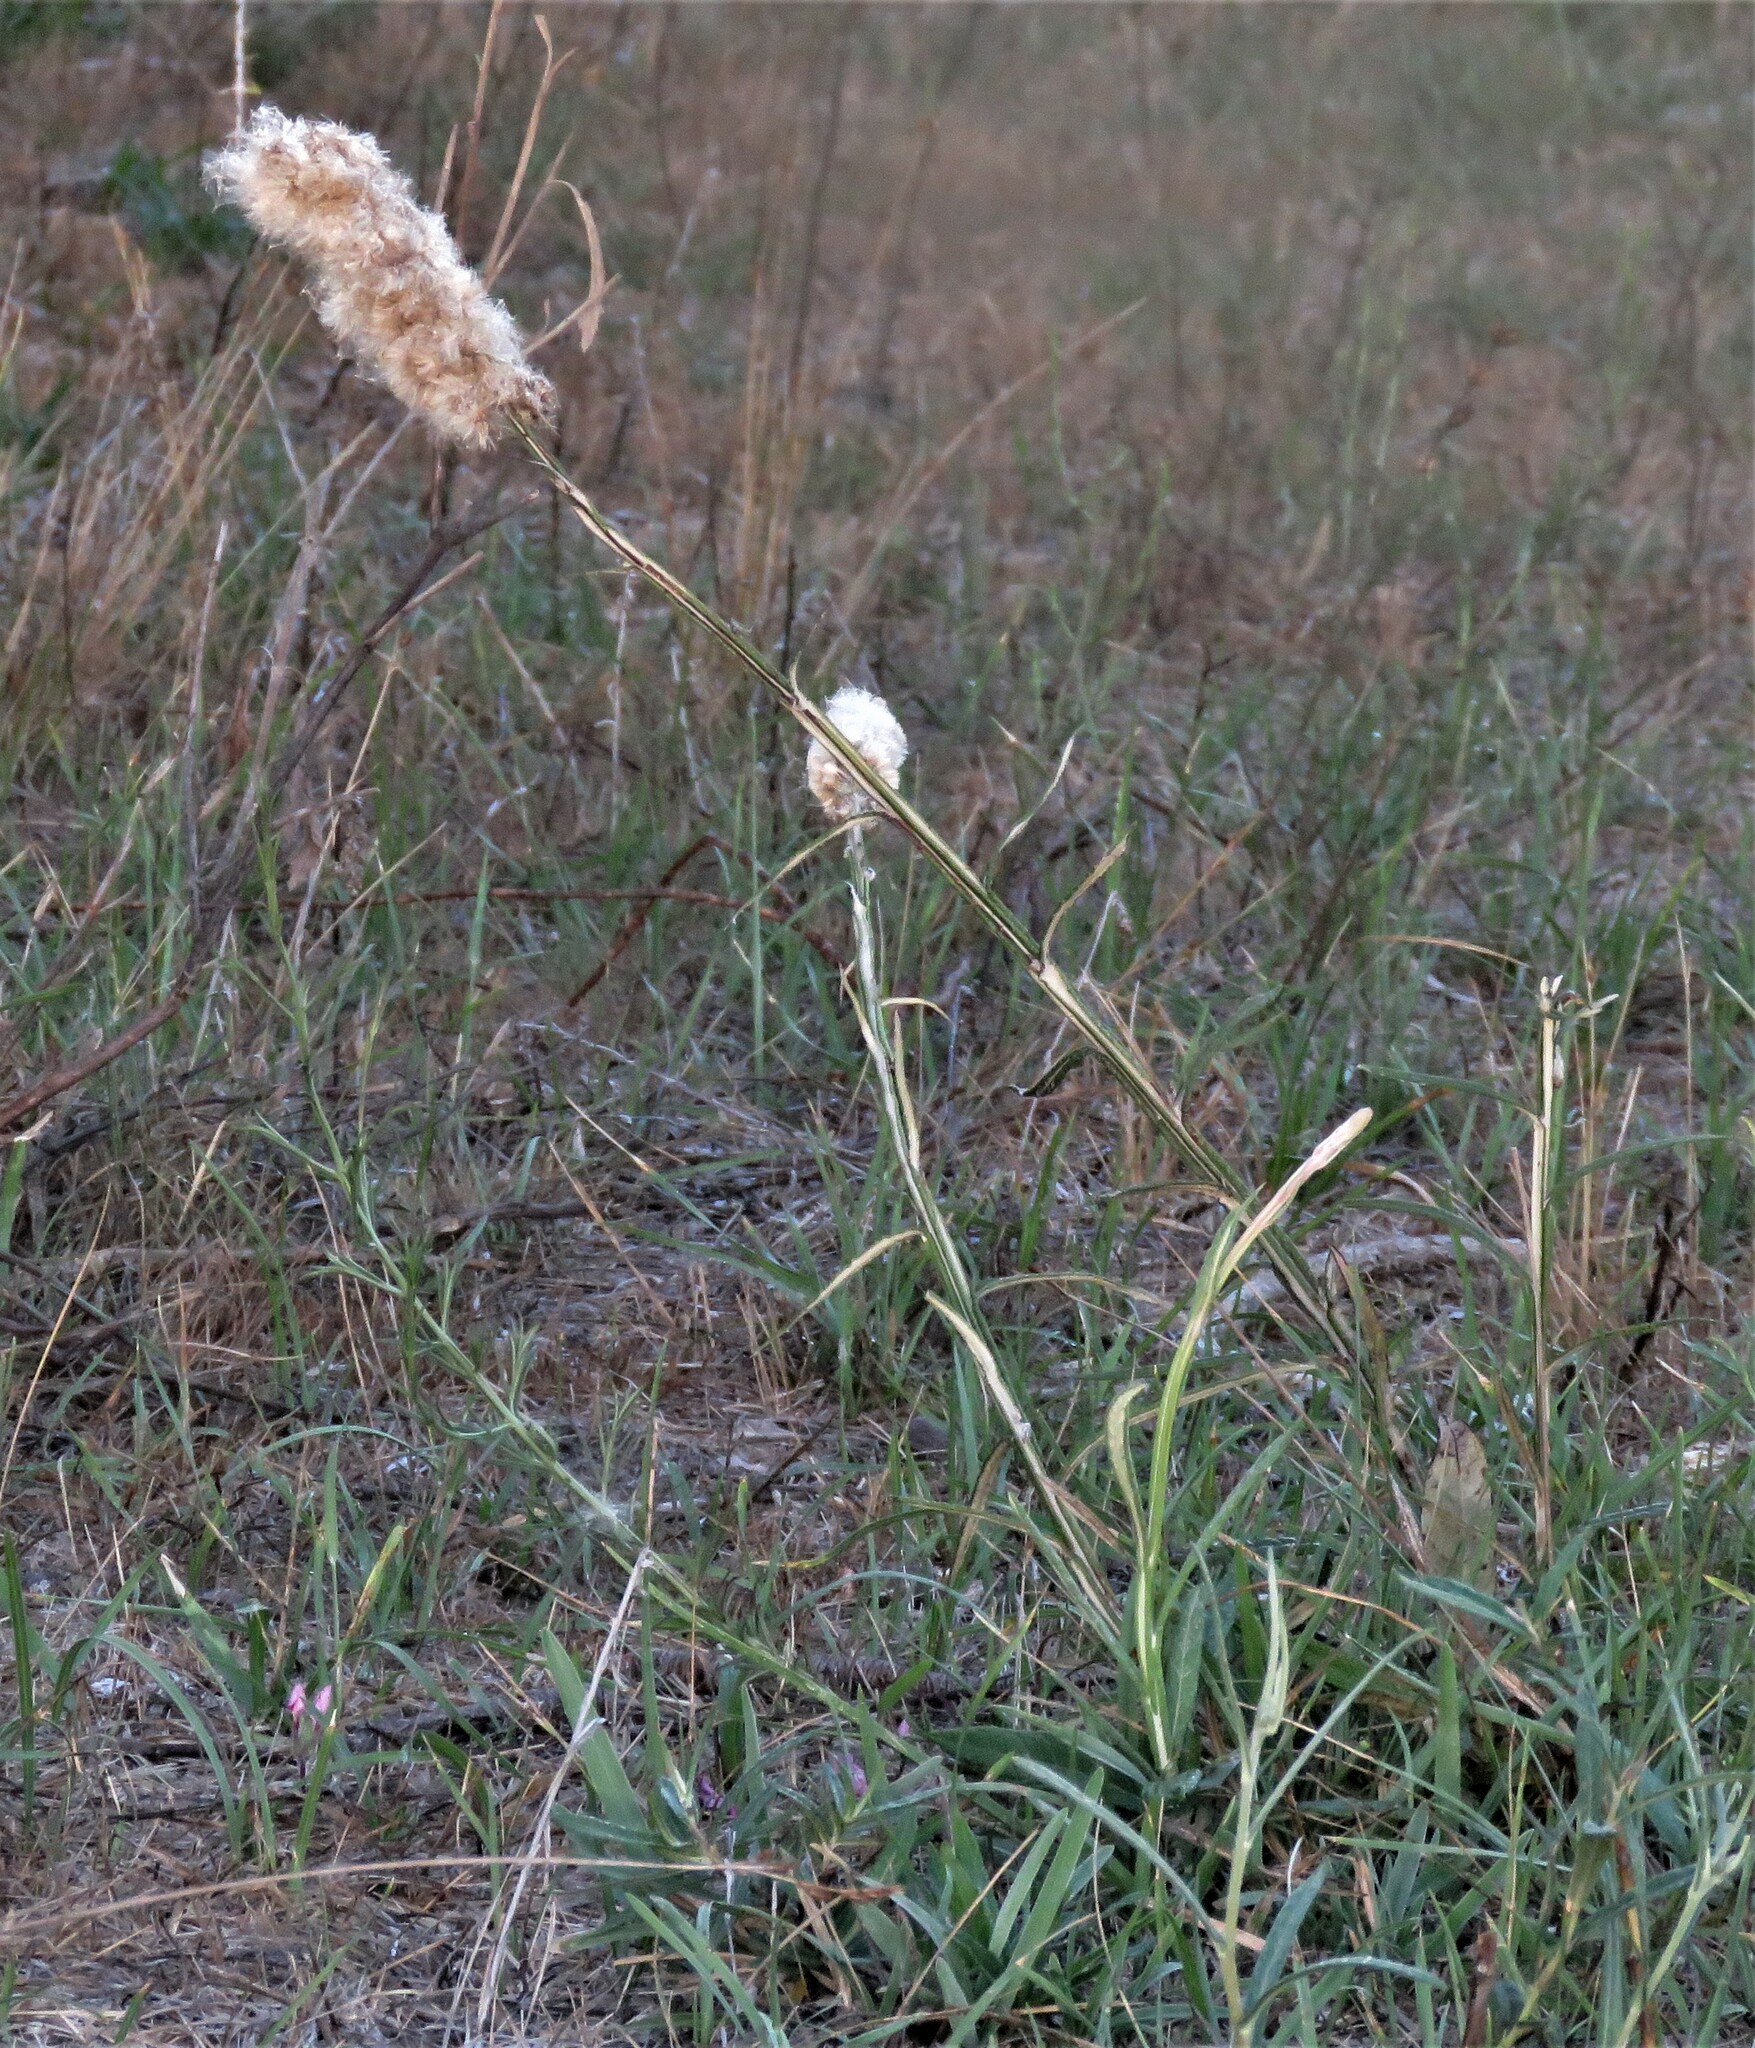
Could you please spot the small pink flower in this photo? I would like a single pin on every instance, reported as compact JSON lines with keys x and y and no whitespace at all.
{"x":313,"y":1708}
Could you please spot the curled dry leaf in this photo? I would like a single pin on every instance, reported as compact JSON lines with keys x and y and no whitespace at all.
{"x":1458,"y":1524}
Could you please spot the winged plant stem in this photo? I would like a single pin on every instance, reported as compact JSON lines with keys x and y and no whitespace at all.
{"x":963,"y":1310}
{"x":1151,"y":1611}
{"x":1537,"y":1237}
{"x":1151,"y":1616}
{"x":1721,"y":1860}
{"x":1270,"y":1712}
{"x":1124,"y":1059}
{"x":897,"y":1110}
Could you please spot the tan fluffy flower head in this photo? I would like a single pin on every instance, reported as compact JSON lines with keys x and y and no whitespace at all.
{"x":876,"y":733}
{"x":386,"y":275}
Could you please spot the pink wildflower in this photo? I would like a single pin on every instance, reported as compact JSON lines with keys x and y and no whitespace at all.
{"x":314,"y":1708}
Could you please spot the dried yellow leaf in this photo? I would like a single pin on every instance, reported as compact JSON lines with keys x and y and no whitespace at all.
{"x":1459,"y":1524}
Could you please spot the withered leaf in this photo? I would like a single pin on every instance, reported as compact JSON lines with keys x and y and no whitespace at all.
{"x":1458,"y":1525}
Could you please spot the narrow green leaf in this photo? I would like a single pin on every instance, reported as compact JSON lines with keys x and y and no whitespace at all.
{"x":11,"y":1187}
{"x":568,"y":1682}
{"x":1023,"y":1882}
{"x":609,"y":1782}
{"x":1276,"y":1951}
{"x":1049,"y":1910}
{"x":1182,"y":1677}
{"x":23,"y":1668}
{"x":1471,"y":1601}
{"x":1447,"y":1735}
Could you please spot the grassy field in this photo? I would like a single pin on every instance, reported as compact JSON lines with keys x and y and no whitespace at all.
{"x":608,"y":1431}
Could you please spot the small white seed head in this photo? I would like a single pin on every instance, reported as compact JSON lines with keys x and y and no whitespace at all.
{"x":387,"y":277}
{"x":875,"y":733}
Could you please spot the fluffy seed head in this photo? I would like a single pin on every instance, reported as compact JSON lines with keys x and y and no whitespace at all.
{"x":387,"y":278}
{"x":876,"y":733}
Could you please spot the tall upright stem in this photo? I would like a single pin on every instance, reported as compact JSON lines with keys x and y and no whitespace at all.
{"x":1541,"y":1179}
{"x":1117,"y":1051}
